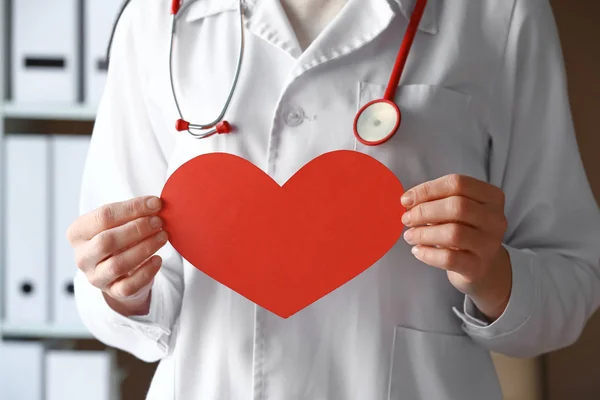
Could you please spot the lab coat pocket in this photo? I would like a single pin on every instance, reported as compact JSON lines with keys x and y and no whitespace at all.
{"x":435,"y":366}
{"x":440,"y":133}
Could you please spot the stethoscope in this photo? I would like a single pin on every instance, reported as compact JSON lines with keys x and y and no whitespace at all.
{"x":219,"y":125}
{"x":375,"y":123}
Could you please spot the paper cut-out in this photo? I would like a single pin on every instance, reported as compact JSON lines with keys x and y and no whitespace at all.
{"x":283,"y":247}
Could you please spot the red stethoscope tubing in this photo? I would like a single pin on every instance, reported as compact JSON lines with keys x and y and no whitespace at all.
{"x":403,"y":53}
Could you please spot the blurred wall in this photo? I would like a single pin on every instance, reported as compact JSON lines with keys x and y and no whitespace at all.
{"x":574,"y":373}
{"x":520,"y":379}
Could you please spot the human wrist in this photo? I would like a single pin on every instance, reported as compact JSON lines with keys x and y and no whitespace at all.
{"x":493,"y":294}
{"x":135,"y":306}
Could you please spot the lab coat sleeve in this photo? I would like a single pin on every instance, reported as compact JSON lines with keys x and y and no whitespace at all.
{"x":553,"y":237}
{"x":127,"y":159}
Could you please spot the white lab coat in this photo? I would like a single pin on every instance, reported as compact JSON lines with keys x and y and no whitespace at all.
{"x":484,"y":94}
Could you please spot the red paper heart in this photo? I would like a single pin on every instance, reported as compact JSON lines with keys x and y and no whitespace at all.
{"x":283,"y":247}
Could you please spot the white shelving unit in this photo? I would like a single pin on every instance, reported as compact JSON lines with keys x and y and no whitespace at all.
{"x":52,"y":336}
{"x":3,"y":22}
{"x":46,"y":112}
{"x":10,"y":110}
{"x":44,"y":331}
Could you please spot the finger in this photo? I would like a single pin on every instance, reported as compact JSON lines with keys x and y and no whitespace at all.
{"x":454,"y":185}
{"x":115,"y":240}
{"x":456,"y":209}
{"x":461,"y":262}
{"x":130,"y":286}
{"x":122,"y":264}
{"x":451,"y":235}
{"x":110,"y":216}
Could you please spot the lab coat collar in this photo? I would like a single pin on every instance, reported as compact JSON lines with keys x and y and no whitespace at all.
{"x":357,"y":24}
{"x":198,"y":9}
{"x":367,"y":19}
{"x":429,"y":22}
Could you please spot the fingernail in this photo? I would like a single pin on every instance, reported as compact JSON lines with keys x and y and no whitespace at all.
{"x":406,"y":218}
{"x":155,"y":222}
{"x":415,"y":250}
{"x":408,"y":235}
{"x":156,"y":262}
{"x":153,"y":203}
{"x":161,"y":237}
{"x":408,"y":199}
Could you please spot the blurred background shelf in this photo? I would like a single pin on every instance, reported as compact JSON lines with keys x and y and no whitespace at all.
{"x":48,"y":112}
{"x":46,"y":331}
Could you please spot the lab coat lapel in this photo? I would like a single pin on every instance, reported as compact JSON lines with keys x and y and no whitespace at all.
{"x":267,"y":19}
{"x":357,"y":24}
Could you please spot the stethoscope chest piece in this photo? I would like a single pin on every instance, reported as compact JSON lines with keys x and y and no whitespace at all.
{"x":377,"y":122}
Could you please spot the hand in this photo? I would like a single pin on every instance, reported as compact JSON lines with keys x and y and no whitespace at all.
{"x":114,"y":247}
{"x":457,"y":223}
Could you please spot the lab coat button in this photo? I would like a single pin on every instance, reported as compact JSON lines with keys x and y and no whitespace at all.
{"x":294,"y":116}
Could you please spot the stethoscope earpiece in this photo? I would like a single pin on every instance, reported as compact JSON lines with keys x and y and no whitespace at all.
{"x":222,"y":128}
{"x":182,"y":125}
{"x":175,"y":6}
